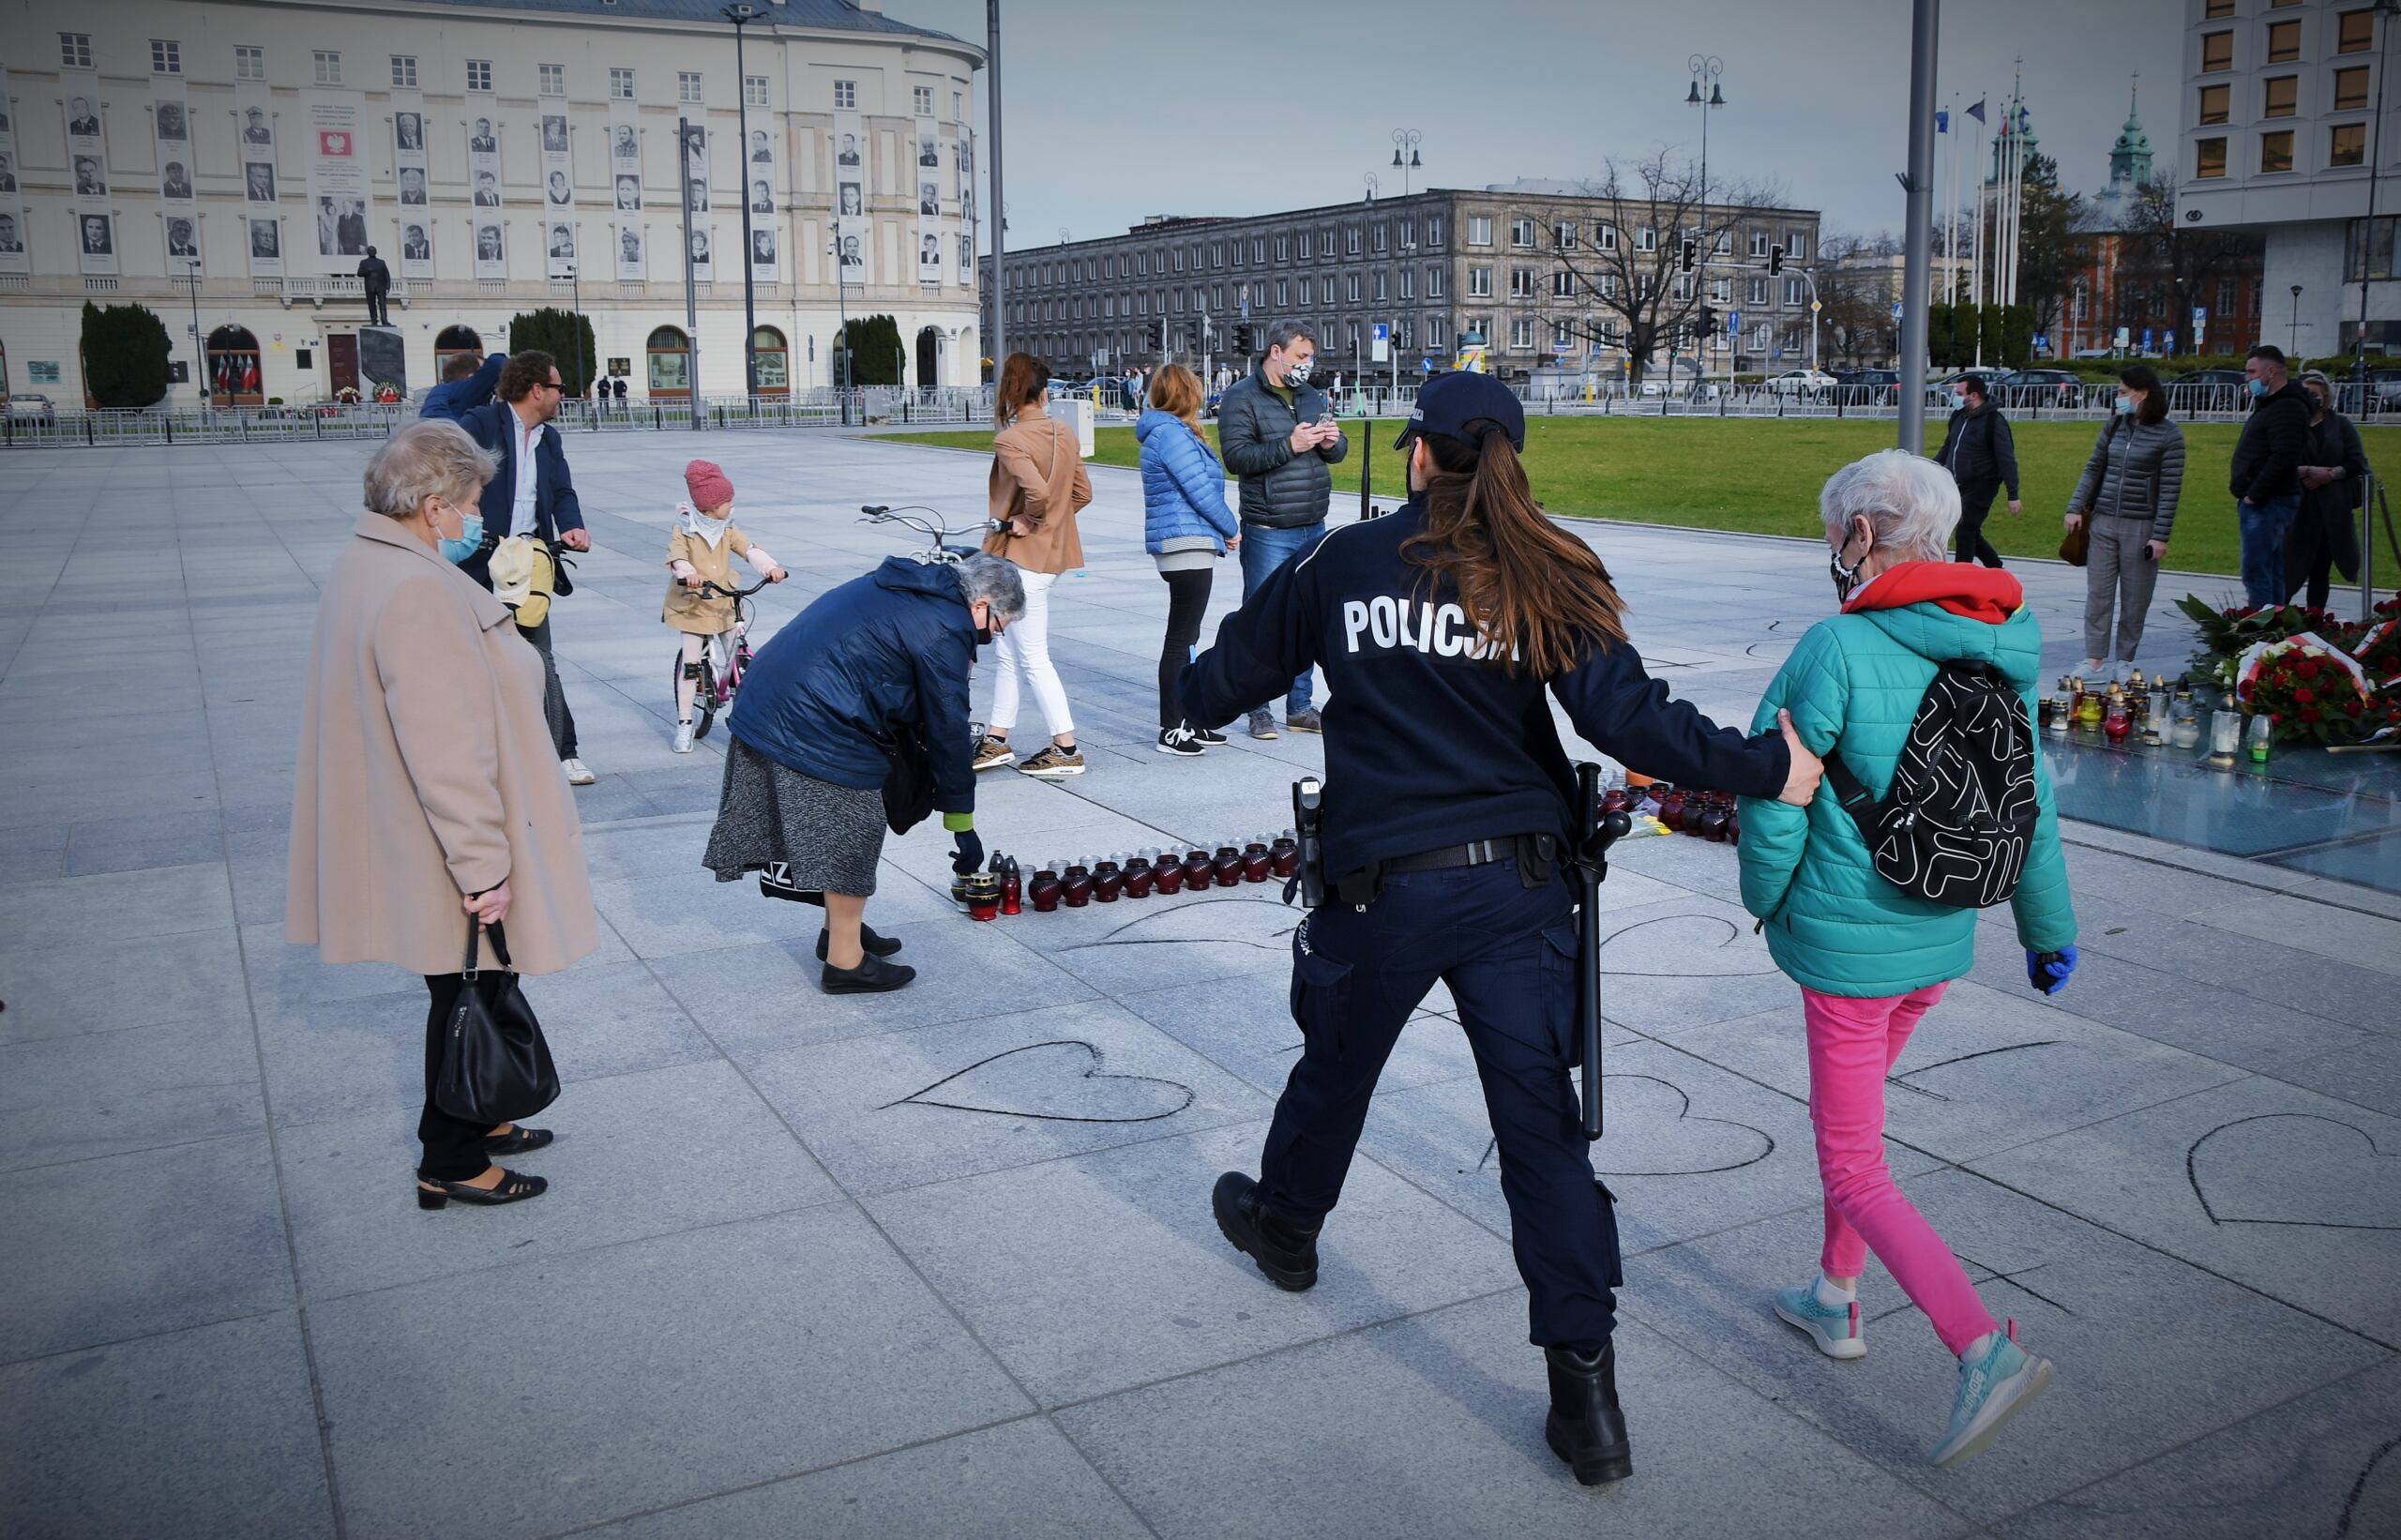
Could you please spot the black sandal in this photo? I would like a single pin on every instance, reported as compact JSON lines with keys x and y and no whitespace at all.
{"x":518,"y":1140}
{"x":515,"y":1186}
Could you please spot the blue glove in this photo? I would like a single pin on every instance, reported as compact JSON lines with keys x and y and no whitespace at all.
{"x":2049,"y":971}
{"x":971,"y":853}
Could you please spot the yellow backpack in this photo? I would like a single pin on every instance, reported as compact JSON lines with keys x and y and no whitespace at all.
{"x":523,"y":577}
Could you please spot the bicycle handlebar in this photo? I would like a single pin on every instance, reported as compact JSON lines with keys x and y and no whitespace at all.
{"x":708,"y":589}
{"x":879,"y":513}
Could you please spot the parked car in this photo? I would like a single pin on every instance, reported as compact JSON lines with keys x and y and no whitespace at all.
{"x":2094,"y":353}
{"x":1800,"y":381}
{"x":32,"y":408}
{"x":2206,"y":389}
{"x":2043,"y":386}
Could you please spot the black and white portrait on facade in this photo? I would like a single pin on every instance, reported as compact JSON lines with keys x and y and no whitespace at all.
{"x":174,"y":182}
{"x":409,"y":129}
{"x":560,"y":193}
{"x":849,"y":153}
{"x":487,"y":243}
{"x":414,"y":246}
{"x":929,"y":198}
{"x":487,"y":190}
{"x":629,"y":192}
{"x":761,"y":200}
{"x":342,"y":227}
{"x":696,"y":196}
{"x":171,"y":121}
{"x":8,"y":172}
{"x":760,"y":153}
{"x":9,"y":240}
{"x":853,"y":261}
{"x":929,"y":154}
{"x":629,"y":247}
{"x":180,"y":238}
{"x":563,"y":242}
{"x":623,"y":145}
{"x":258,"y":182}
{"x":554,"y":133}
{"x":413,"y":185}
{"x":89,"y":180}
{"x":98,"y":241}
{"x":481,"y":142}
{"x":266,"y":239}
{"x":81,"y":122}
{"x":763,"y":248}
{"x":254,"y":127}
{"x":851,"y":202}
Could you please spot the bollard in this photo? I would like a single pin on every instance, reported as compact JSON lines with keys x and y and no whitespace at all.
{"x":88,"y":440}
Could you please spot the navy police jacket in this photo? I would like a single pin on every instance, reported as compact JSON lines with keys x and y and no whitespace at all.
{"x":877,"y":653}
{"x":1428,"y":742}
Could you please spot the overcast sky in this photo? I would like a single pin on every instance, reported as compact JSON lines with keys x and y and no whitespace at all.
{"x":1106,"y":126}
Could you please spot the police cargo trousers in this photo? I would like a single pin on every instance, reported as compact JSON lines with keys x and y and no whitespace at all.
{"x":1507,"y":953}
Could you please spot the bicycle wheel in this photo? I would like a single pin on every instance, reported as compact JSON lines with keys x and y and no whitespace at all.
{"x":705,"y":698}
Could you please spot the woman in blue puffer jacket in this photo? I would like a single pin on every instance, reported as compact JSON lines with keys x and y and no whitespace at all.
{"x":1188,"y":527}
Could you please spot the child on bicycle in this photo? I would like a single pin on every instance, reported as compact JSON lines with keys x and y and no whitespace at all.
{"x":701,"y":551}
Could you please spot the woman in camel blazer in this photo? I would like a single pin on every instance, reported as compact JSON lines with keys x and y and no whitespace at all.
{"x":1037,"y":486}
{"x":427,"y":790}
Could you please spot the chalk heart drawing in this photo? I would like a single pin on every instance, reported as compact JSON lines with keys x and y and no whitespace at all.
{"x":1651,"y":1131}
{"x":1056,"y":1082}
{"x":2294,"y":1168}
{"x":1684,"y":946}
{"x":1252,"y":921}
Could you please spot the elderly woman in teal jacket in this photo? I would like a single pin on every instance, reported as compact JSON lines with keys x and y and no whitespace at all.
{"x":1871,"y":960}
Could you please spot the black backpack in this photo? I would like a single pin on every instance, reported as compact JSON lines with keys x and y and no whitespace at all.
{"x":1956,"y":824}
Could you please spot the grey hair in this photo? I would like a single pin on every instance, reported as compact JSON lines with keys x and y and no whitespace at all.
{"x":1910,"y":502}
{"x":426,"y":459}
{"x":995,"y":581}
{"x":1285,"y":333}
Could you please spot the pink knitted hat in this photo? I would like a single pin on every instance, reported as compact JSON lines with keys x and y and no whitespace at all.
{"x":708,"y":485}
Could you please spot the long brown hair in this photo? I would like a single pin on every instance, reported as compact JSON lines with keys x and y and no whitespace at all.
{"x":1540,"y":595}
{"x":1176,"y":390}
{"x":1023,"y":378}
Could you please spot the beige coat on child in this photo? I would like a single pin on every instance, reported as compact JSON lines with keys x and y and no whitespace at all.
{"x":691,"y":552}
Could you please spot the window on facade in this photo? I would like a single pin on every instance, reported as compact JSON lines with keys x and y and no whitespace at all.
{"x":550,"y":79}
{"x":1643,"y":284}
{"x":1522,"y":332}
{"x":1304,"y":291}
{"x":1759,"y":243}
{"x":2369,"y":254}
{"x":923,"y":95}
{"x":1479,"y":230}
{"x":2350,"y":91}
{"x":1795,"y":290}
{"x":1378,"y":238}
{"x":1178,"y":254}
{"x":1563,"y":284}
{"x":1647,"y":239}
{"x":403,"y":69}
{"x":1479,"y":282}
{"x":1522,"y":233}
{"x":621,"y":85}
{"x":2279,"y":96}
{"x":1758,"y":291}
{"x":1721,"y":289}
{"x":478,"y":74}
{"x":1217,"y":253}
{"x":250,"y":64}
{"x":1408,"y":283}
{"x":754,"y":90}
{"x":2284,"y":42}
{"x":1349,"y":241}
{"x":2355,"y":32}
{"x":2216,"y":99}
{"x":2217,"y":51}
{"x":1796,"y":244}
{"x":2209,"y":158}
{"x":166,"y":56}
{"x":1605,"y":235}
{"x":1283,"y":293}
{"x":1608,"y":285}
{"x":2217,"y":7}
{"x":1681,"y":288}
{"x":329,"y":69}
{"x":2346,"y":145}
{"x":1350,"y":288}
{"x":1283,"y":248}
{"x":846,"y":93}
{"x":75,"y":50}
{"x":687,"y":87}
{"x":1258,"y":249}
{"x":2276,"y":151}
{"x":1434,"y":282}
{"x":1384,"y":285}
{"x":668,"y":363}
{"x":1522,"y":282}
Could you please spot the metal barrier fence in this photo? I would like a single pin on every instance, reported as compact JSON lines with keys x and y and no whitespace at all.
{"x":867,"y":406}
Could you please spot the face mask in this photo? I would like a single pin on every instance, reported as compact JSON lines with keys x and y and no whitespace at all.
{"x":1297,"y":375}
{"x":471,"y":534}
{"x":2125,"y":406}
{"x":2259,"y":388}
{"x":1846,"y":578}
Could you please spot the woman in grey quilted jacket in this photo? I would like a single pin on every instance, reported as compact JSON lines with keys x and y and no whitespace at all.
{"x":2127,"y":496}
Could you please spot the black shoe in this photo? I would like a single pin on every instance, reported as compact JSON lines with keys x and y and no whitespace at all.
{"x":518,"y":1140}
{"x":515,"y":1186}
{"x":874,"y":945}
{"x":1180,"y":741}
{"x":1303,"y":720}
{"x":1206,"y":738}
{"x":1286,"y":1254}
{"x":1585,"y":1427}
{"x":874,"y":975}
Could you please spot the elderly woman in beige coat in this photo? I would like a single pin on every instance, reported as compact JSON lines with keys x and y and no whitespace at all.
{"x":428,"y":802}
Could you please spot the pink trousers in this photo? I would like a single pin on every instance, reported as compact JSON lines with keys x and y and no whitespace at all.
{"x":1853,"y":1044}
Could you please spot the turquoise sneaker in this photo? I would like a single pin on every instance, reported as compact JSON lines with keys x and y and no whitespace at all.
{"x":1834,"y":1328}
{"x":1991,"y":1390}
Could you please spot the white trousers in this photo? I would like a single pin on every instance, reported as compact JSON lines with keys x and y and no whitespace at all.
{"x":1024,"y":652}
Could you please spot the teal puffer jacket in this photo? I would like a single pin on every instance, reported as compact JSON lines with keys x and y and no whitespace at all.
{"x":1853,"y":683}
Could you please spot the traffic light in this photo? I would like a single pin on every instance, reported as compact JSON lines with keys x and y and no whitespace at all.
{"x":1708,"y":322}
{"x":1687,"y":255}
{"x":1241,"y":339}
{"x":1158,"y":336}
{"x":1775,"y":258}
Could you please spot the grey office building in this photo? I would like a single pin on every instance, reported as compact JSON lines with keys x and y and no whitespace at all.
{"x":1433,"y":266}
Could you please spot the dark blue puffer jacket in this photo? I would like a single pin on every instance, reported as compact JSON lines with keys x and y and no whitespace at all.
{"x":884,"y":650}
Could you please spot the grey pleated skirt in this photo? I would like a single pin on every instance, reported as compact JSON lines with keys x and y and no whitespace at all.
{"x":831,"y":836}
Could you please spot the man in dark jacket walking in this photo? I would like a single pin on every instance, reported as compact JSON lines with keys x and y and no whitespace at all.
{"x":2265,"y":477}
{"x":1982,"y":458}
{"x":1278,"y":434}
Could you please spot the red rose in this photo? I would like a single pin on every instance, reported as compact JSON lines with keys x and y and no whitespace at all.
{"x":2307,"y":667}
{"x":2309,"y":713}
{"x":2304,"y":695}
{"x":2229,"y":614}
{"x":2276,"y":718}
{"x":2243,"y":688}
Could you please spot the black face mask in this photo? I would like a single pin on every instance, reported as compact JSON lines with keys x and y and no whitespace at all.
{"x":982,"y":636}
{"x":1846,"y":578}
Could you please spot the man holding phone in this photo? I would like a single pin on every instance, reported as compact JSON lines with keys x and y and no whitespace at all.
{"x":1277,"y":434}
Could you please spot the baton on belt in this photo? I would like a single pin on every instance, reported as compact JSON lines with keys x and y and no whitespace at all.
{"x":1595,"y":831}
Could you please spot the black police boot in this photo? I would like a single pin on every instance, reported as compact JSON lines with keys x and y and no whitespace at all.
{"x":1585,"y":1427}
{"x":1286,"y":1254}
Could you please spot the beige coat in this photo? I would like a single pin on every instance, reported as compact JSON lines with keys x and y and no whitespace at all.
{"x":427,"y":773}
{"x":1038,"y":477}
{"x":688,"y":609}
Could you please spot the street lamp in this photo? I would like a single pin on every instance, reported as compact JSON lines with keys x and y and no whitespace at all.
{"x":1406,"y":141}
{"x":199,"y":352}
{"x":741,"y":14}
{"x":2296,"y":321}
{"x":575,"y":288}
{"x":2384,"y":11}
{"x":1372,"y":185}
{"x":1704,"y":67}
{"x":841,"y":337}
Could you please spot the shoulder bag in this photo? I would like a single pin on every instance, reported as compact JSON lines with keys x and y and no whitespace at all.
{"x":495,"y":1065}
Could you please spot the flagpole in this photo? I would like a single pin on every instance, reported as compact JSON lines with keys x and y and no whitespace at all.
{"x":1951,"y":213}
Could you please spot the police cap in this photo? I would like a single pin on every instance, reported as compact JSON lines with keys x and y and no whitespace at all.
{"x":1465,"y":406}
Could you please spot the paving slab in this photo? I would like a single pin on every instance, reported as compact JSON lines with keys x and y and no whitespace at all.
{"x":75,"y":988}
{"x":64,"y":1098}
{"x":640,"y":1376}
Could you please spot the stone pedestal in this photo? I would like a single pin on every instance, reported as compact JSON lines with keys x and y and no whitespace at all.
{"x":382,"y":359}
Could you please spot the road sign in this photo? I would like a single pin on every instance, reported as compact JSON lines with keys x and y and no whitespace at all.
{"x":2042,"y":340}
{"x":1896,"y":309}
{"x":2145,"y":339}
{"x":1814,"y":307}
{"x":1561,"y":346}
{"x":1733,"y":323}
{"x":2125,"y":336}
{"x":1379,"y":351}
{"x":2169,"y":348}
{"x":2201,"y":319}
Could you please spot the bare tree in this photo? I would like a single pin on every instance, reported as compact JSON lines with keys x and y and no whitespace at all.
{"x":1857,"y":320}
{"x":2174,"y":263}
{"x":1625,"y":285}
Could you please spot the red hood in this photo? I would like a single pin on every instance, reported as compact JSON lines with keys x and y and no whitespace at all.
{"x":1978,"y":593}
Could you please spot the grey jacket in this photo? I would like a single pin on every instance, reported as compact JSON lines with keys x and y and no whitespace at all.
{"x":2136,"y":471}
{"x":1280,"y":488}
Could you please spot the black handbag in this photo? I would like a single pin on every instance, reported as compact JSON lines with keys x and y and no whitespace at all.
{"x":496,"y":1067}
{"x":908,"y":785}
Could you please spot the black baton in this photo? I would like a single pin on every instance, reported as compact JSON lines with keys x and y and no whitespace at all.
{"x":1308,"y":828}
{"x":1595,"y":832}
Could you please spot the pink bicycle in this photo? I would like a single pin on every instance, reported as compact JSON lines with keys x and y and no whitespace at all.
{"x":723,"y":661}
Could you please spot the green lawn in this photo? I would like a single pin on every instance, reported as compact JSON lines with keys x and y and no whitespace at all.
{"x":1761,"y":476}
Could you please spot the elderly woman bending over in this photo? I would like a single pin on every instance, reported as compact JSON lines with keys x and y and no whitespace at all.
{"x":427,"y":807}
{"x":823,"y":708}
{"x":1871,"y":959}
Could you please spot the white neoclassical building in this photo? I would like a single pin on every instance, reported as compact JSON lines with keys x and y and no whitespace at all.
{"x":237,"y":157}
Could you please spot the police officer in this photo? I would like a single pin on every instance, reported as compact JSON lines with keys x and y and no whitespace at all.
{"x":1446,"y":814}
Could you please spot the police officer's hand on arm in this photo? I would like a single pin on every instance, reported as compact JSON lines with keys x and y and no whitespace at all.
{"x":1801,"y":781}
{"x":1629,"y":716}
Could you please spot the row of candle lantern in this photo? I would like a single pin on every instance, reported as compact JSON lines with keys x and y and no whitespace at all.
{"x":1705,"y":815}
{"x":1004,"y":888}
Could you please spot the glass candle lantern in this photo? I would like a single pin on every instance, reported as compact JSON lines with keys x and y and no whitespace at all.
{"x":2119,"y":722}
{"x":2256,"y":738}
{"x":2225,"y":737}
{"x":2184,"y":723}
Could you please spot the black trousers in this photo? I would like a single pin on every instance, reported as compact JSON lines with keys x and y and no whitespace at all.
{"x":2321,"y":539}
{"x":1188,"y":601}
{"x":555,"y":713}
{"x":1975,"y":502}
{"x":1508,"y":954}
{"x":454,"y":1149}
